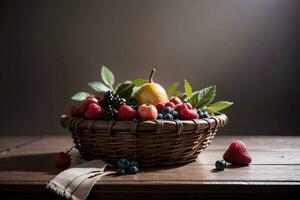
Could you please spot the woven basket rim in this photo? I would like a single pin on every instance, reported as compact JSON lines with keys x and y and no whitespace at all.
{"x":214,"y":122}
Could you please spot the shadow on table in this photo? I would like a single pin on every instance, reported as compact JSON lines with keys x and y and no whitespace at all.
{"x":31,"y":163}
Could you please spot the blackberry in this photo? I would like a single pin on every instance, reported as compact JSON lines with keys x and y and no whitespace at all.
{"x":107,"y":99}
{"x":110,"y":113}
{"x":118,"y":102}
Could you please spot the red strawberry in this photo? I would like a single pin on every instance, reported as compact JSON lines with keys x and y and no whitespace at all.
{"x":94,"y":111}
{"x":188,"y":114}
{"x":160,"y":107}
{"x":181,"y":106}
{"x":237,"y":154}
{"x":74,"y":111}
{"x":126,"y":113}
{"x":62,"y":160}
{"x":170,"y":104}
{"x":175,"y":100}
{"x":84,"y":105}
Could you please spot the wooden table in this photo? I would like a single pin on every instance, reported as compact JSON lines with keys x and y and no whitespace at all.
{"x":26,"y":164}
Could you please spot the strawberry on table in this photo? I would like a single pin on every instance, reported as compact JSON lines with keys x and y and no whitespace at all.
{"x":237,"y":154}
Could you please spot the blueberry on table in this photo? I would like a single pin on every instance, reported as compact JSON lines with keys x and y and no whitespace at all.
{"x":123,"y":163}
{"x":220,"y":164}
{"x":134,"y":163}
{"x":133,"y":169}
{"x":121,"y":171}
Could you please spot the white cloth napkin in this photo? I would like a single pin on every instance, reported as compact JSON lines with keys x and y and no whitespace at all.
{"x":76,"y":182}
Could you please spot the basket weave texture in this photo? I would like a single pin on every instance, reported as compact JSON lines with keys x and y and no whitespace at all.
{"x":151,"y":143}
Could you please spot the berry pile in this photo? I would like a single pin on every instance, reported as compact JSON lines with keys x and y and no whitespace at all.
{"x":107,"y":106}
{"x":125,"y":166}
{"x":145,"y":100}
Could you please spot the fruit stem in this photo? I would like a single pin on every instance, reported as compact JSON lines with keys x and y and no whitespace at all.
{"x":151,"y":75}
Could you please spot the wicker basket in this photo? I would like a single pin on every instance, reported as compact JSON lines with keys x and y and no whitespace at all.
{"x":151,"y":143}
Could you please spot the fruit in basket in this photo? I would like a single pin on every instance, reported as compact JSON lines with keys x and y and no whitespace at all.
{"x":94,"y":111}
{"x":170,"y":104}
{"x":175,"y":100}
{"x":147,"y":112}
{"x":84,"y":105}
{"x":111,"y":97}
{"x":110,"y":113}
{"x":237,"y":154}
{"x":126,"y":113}
{"x":187,"y":113}
{"x":151,"y":93}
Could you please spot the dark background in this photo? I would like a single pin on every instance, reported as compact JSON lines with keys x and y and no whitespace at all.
{"x":250,"y":49}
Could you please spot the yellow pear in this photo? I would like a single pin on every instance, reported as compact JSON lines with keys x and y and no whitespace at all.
{"x":151,"y":93}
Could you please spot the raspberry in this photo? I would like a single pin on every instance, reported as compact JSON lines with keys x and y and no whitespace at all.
{"x":175,"y":100}
{"x":186,"y":106}
{"x":160,"y":107}
{"x":94,"y":111}
{"x":188,"y":114}
{"x":62,"y":160}
{"x":237,"y":153}
{"x":126,"y":113}
{"x":170,"y":104}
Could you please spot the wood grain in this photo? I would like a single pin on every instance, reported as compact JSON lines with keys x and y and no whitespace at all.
{"x":275,"y":167}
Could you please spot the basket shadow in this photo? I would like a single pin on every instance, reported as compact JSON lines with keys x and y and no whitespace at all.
{"x":30,"y":163}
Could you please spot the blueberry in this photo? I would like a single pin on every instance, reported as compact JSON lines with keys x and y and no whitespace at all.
{"x":133,"y":169}
{"x":166,"y":110}
{"x":121,"y":171}
{"x":160,"y":116}
{"x":123,"y":163}
{"x":175,"y":114}
{"x":134,"y":163}
{"x":220,"y":164}
{"x":200,"y":112}
{"x":135,"y":107}
{"x":206,"y":115}
{"x":168,"y":116}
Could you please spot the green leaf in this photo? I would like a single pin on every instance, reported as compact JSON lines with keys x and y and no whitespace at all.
{"x":125,"y":90}
{"x":98,"y":86}
{"x":139,"y":82}
{"x":218,"y":106}
{"x":107,"y":76}
{"x":172,"y":89}
{"x":188,"y":89}
{"x":80,"y":96}
{"x":203,"y":97}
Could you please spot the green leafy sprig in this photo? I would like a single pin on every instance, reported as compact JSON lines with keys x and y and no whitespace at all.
{"x":124,"y":90}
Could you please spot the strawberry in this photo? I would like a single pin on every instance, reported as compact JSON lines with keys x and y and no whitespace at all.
{"x":74,"y":111}
{"x":160,"y":107}
{"x":63,"y":160}
{"x":84,"y":105}
{"x":170,"y":104}
{"x":181,"y":106}
{"x":94,"y":111}
{"x":175,"y":100}
{"x":188,"y":114}
{"x":237,"y":154}
{"x":126,"y":113}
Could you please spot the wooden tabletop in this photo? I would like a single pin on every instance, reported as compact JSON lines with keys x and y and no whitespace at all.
{"x":26,"y":164}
